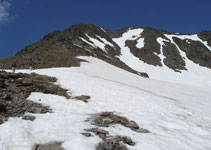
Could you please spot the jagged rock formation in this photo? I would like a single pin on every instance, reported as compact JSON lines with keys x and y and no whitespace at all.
{"x":61,"y":48}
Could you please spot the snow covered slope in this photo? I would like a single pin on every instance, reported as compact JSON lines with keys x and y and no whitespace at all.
{"x":178,"y":115}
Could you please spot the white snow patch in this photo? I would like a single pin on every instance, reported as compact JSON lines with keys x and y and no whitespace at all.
{"x":102,"y":29}
{"x":140,"y":43}
{"x":161,"y":42}
{"x":87,"y":42}
{"x":105,"y":41}
{"x":126,"y":56}
{"x":98,"y":43}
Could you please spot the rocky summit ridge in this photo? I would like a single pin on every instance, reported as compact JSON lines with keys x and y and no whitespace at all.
{"x":154,"y":47}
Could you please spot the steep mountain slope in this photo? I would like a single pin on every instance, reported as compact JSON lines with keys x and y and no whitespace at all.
{"x":146,"y":47}
{"x":178,"y":116}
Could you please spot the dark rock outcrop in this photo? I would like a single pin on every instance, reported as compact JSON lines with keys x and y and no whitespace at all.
{"x":17,"y":87}
{"x":195,"y":51}
{"x":173,"y":59}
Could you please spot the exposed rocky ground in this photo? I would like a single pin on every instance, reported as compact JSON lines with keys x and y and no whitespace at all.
{"x":15,"y":88}
{"x":195,"y":51}
{"x":109,"y":142}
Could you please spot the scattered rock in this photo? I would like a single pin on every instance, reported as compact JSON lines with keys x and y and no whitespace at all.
{"x":83,"y":98}
{"x":142,"y":130}
{"x":87,"y":134}
{"x":102,"y":131}
{"x":115,"y":143}
{"x":111,"y":144}
{"x":132,"y":125}
{"x":52,"y":146}
{"x":29,"y":117}
{"x":99,"y":132}
{"x":109,"y":118}
{"x":126,"y":140}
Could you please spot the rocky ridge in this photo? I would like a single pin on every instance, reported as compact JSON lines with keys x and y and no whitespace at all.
{"x":62,"y":48}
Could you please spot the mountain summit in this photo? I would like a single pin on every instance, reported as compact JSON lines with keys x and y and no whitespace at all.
{"x":129,"y":48}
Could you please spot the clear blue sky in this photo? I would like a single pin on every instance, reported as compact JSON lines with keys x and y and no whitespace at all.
{"x":23,"y":22}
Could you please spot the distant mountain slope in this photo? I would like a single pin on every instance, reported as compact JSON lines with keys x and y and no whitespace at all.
{"x":132,"y":49}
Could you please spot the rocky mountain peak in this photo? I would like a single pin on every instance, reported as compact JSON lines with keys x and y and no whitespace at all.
{"x":158,"y":48}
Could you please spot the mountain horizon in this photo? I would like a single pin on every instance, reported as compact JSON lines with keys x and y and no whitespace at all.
{"x":126,"y":27}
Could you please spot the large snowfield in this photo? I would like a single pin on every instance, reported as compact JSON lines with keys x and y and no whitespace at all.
{"x":177,"y":113}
